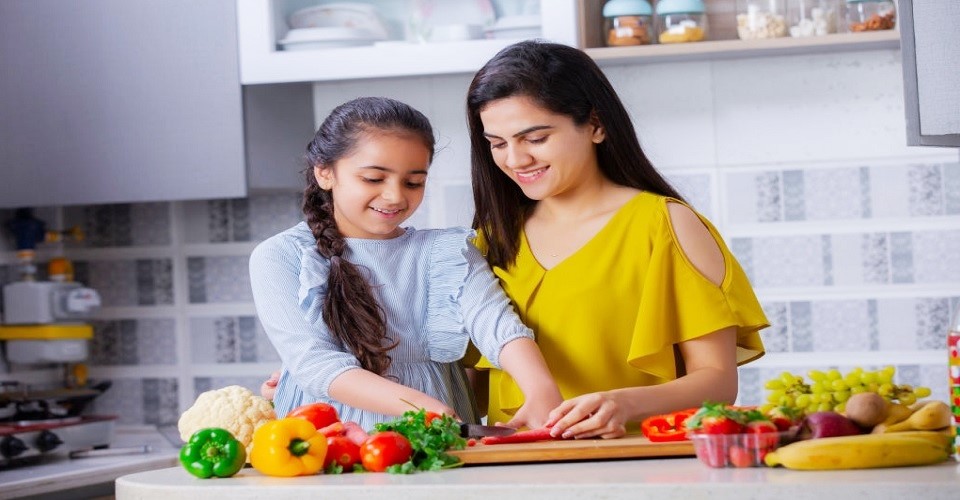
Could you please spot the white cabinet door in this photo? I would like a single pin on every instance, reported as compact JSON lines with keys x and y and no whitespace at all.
{"x":931,"y":71}
{"x":115,"y":101}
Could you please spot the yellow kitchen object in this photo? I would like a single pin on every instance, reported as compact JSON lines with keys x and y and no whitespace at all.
{"x":60,"y":269}
{"x":46,"y":332}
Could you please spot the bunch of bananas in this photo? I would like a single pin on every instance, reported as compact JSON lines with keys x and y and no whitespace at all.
{"x":921,"y":434}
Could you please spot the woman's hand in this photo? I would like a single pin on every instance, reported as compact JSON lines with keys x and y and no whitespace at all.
{"x":597,"y":414}
{"x":268,"y":389}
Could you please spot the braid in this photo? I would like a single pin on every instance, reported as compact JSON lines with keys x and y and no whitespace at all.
{"x":350,"y":309}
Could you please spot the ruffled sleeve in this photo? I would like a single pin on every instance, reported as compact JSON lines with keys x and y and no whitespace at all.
{"x":466,"y":303}
{"x":314,"y":271}
{"x":680,"y":304}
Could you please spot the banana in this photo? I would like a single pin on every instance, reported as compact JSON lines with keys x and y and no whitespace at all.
{"x":866,"y":451}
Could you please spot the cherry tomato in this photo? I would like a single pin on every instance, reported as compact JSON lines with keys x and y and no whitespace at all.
{"x":383,"y":449}
{"x":318,"y":414}
{"x":342,"y":451}
{"x":430,"y":417}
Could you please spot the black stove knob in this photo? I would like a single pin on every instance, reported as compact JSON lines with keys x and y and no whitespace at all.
{"x":11,"y":446}
{"x":47,"y":441}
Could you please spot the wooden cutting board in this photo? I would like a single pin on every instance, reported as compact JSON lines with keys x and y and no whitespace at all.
{"x":566,"y":450}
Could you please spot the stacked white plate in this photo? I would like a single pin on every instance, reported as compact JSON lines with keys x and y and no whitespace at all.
{"x":328,"y":37}
{"x":522,"y":27}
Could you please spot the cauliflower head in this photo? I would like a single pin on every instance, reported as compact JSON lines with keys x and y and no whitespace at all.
{"x":234,"y":408}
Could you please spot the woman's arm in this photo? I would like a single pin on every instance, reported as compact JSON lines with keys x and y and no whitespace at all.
{"x":711,"y":364}
{"x":710,"y":360}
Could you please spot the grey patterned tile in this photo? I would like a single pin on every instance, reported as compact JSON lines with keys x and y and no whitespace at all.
{"x":129,"y":354}
{"x":157,"y":341}
{"x":826,"y":245}
{"x":239,"y":220}
{"x":160,"y":405}
{"x":932,"y":262}
{"x":873,"y":329}
{"x":145,"y":285}
{"x":125,"y":399}
{"x":933,"y":321}
{"x":226,"y":279}
{"x":936,"y":378}
{"x":897,"y":324}
{"x":889,"y":192}
{"x":226,"y":332}
{"x":908,"y":374}
{"x":801,"y":326}
{"x":151,"y":224}
{"x":776,"y":338}
{"x":122,"y":225}
{"x":273,"y":213}
{"x":229,"y":339}
{"x":865,"y":202}
{"x":218,"y":220}
{"x":786,"y":261}
{"x":840,"y":325}
{"x":769,"y":201}
{"x":696,"y":189}
{"x":831,"y":194}
{"x":750,"y":387}
{"x":247,"y":339}
{"x":926,"y":195}
{"x":793,"y":195}
{"x":901,"y":258}
{"x":196,"y":280}
{"x":951,"y":188}
{"x":105,"y":345}
{"x":116,"y":281}
{"x":876,"y":263}
{"x":203,"y":384}
{"x":742,"y":249}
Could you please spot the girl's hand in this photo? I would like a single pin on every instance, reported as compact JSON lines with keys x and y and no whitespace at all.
{"x":268,"y":389}
{"x":535,"y":412}
{"x":597,"y":414}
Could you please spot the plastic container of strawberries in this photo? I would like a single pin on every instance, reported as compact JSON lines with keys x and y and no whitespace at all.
{"x":737,"y":450}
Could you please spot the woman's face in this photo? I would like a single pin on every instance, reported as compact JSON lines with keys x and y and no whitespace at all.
{"x":545,"y":153}
{"x":378,"y":185}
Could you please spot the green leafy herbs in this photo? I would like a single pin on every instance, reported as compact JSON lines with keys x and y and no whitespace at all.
{"x":430,"y":436}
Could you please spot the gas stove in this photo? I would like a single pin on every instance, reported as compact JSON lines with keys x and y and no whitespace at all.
{"x":27,"y":442}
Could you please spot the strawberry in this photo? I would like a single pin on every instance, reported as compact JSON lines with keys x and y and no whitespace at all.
{"x":783,"y":417}
{"x":741,"y":457}
{"x":716,"y":418}
{"x":762,"y":435}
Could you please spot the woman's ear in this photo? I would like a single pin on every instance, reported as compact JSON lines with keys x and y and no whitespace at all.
{"x":599,"y":133}
{"x":324,"y":177}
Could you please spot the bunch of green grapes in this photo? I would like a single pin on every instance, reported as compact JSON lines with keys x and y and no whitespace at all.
{"x":830,"y":390}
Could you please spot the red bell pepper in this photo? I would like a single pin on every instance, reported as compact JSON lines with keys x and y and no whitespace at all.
{"x":664,"y":428}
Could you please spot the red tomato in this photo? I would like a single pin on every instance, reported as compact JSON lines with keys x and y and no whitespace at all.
{"x":720,"y":425}
{"x":762,"y":435}
{"x":318,"y":414}
{"x":383,"y":449}
{"x":741,"y":457}
{"x":342,"y":451}
{"x":430,"y":417}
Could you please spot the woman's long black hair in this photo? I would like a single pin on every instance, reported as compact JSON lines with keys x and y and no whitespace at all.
{"x":350,"y":309}
{"x":565,"y":81}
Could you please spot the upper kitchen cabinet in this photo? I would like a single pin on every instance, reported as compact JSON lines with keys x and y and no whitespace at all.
{"x":315,"y":40}
{"x":105,"y":101}
{"x":931,"y":72}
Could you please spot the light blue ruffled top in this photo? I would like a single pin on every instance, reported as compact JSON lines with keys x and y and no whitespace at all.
{"x":437,"y":293}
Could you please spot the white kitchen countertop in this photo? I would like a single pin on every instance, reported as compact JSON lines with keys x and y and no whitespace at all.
{"x":679,"y":478}
{"x":63,"y":474}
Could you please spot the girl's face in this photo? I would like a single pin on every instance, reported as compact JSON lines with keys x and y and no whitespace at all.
{"x":546,"y":154}
{"x":378,"y":185}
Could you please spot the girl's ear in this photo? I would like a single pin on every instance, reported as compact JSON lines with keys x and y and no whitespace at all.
{"x":324,"y":177}
{"x":599,"y":133}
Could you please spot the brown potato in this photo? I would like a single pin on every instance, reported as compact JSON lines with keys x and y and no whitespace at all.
{"x":866,"y":409}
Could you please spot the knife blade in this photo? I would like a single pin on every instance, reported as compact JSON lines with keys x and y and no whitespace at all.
{"x":477,"y":430}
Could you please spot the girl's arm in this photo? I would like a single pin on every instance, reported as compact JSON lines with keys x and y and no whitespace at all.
{"x":501,"y":336}
{"x":366,"y":390}
{"x":710,"y":360}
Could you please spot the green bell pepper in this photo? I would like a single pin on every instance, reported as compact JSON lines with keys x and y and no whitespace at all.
{"x":213,"y":452}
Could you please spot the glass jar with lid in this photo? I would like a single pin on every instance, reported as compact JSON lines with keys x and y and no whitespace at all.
{"x":871,"y":15}
{"x":681,"y":21}
{"x":761,"y":19}
{"x":627,"y":22}
{"x":812,"y":17}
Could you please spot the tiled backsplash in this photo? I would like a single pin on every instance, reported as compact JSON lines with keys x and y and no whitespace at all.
{"x":850,"y":244}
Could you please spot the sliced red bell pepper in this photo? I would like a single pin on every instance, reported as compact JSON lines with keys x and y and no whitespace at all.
{"x":665,"y":428}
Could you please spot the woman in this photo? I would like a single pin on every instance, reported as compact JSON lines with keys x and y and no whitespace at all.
{"x":637,"y":305}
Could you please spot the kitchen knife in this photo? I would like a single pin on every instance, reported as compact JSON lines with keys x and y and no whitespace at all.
{"x":477,"y":430}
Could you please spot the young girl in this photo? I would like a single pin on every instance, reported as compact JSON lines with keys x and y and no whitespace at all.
{"x":371,"y":317}
{"x":638,"y":306}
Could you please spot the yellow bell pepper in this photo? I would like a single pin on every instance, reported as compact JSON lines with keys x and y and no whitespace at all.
{"x":288,"y":447}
